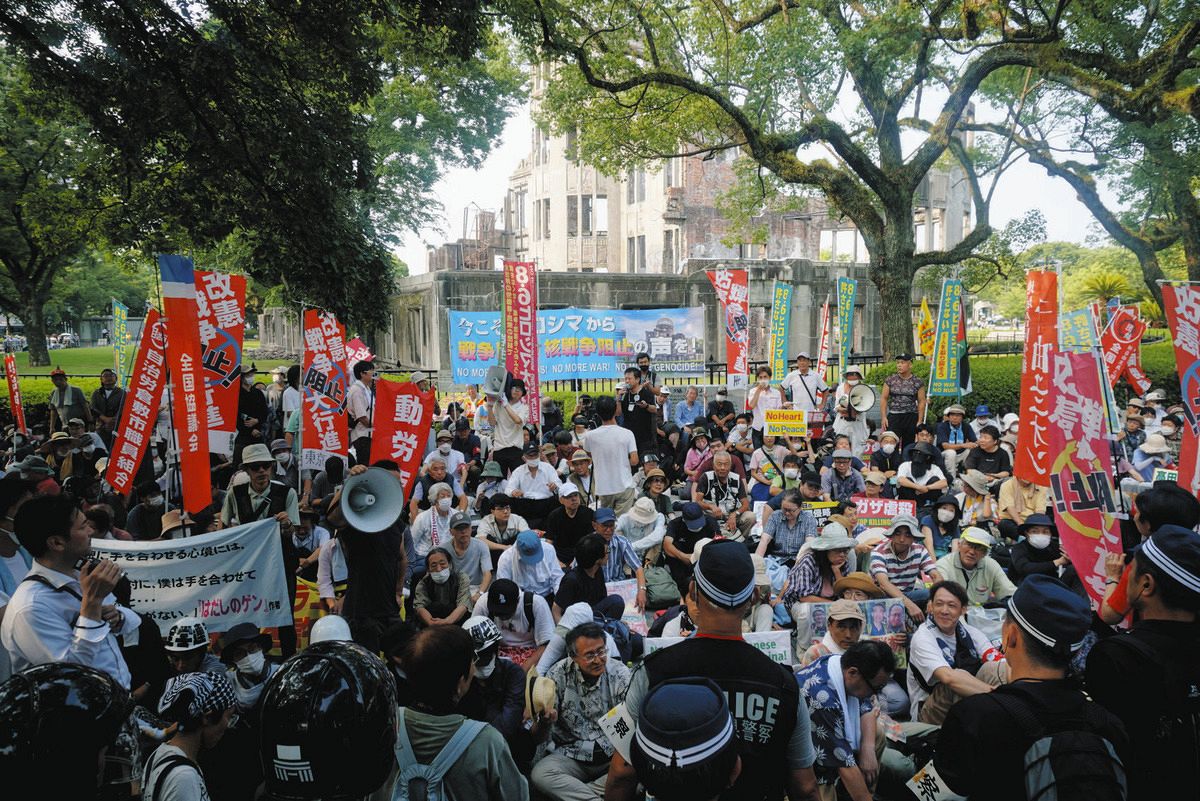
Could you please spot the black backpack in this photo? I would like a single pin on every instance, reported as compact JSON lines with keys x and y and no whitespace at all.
{"x":629,"y":643}
{"x":1068,"y":765}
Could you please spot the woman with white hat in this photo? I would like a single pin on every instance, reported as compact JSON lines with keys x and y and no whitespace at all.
{"x":643,"y":525}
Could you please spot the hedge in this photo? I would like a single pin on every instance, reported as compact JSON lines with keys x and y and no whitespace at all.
{"x":996,"y":380}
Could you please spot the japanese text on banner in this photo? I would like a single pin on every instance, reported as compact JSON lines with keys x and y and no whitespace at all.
{"x":224,"y":578}
{"x":357,"y":351}
{"x":140,"y":410}
{"x":1081,"y":469}
{"x":403,"y":418}
{"x":926,"y":329}
{"x":187,"y":380}
{"x":1075,"y":331}
{"x":1181,"y":302}
{"x":120,"y":342}
{"x":826,"y":344}
{"x":323,"y":384}
{"x":873,"y":512}
{"x":1121,"y":343}
{"x":943,"y":377}
{"x":1032,"y":461}
{"x":781,"y":324}
{"x":733,"y":291}
{"x":221,"y":302}
{"x":14,"y":392}
{"x":847,"y":290}
{"x":520,"y":328}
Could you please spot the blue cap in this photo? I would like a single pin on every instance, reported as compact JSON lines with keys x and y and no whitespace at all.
{"x":693,"y":516}
{"x":725,"y":573}
{"x":1175,"y":550}
{"x":604,"y":515}
{"x":529,"y":547}
{"x":982,"y":410}
{"x":1051,"y":613}
{"x":683,"y":723}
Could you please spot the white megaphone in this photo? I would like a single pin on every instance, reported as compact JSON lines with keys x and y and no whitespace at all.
{"x":494,"y":381}
{"x":861,"y":398}
{"x":372,"y":501}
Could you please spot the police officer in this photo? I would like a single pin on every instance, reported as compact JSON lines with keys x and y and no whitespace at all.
{"x":770,"y":716}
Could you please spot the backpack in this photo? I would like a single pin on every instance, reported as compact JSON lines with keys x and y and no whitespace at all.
{"x":1070,"y":765}
{"x":420,"y":782}
{"x":629,"y":644}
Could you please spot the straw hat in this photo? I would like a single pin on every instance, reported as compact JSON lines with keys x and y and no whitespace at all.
{"x":1155,"y":443}
{"x":858,"y":580}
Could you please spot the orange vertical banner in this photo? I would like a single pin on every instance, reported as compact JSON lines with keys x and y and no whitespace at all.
{"x":132,"y":435}
{"x":325,"y":431}
{"x":1181,"y":302}
{"x":1033,"y":456}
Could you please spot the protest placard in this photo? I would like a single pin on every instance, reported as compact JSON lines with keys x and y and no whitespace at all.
{"x":402,"y":419}
{"x":885,"y":617}
{"x":324,"y":382}
{"x":14,"y":392}
{"x":632,"y":618}
{"x":875,"y":512}
{"x":785,"y":422}
{"x":221,"y":302}
{"x":820,"y":510}
{"x":775,"y":644}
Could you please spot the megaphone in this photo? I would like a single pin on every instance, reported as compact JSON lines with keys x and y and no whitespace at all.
{"x":372,"y":501}
{"x":861,"y":398}
{"x":494,"y":383}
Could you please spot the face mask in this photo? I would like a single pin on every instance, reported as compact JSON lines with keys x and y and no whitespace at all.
{"x":252,"y":664}
{"x":248,"y":381}
{"x":721,"y":397}
{"x":444,"y":447}
{"x":155,"y":502}
{"x":852,"y":382}
{"x":740,"y":427}
{"x":1168,"y":431}
{"x":440,"y":576}
{"x":945,"y":515}
{"x":444,"y":504}
{"x":889,"y":449}
{"x":531,"y":464}
{"x":88,"y":449}
{"x":283,"y":458}
{"x":484,"y":671}
{"x":1039,"y":541}
{"x":61,"y":453}
{"x":791,"y":472}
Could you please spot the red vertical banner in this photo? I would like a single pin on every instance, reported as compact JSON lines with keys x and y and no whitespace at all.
{"x":403,"y":417}
{"x":520,"y":330}
{"x":221,"y":303}
{"x":1181,"y":302}
{"x":14,"y":392}
{"x":1032,"y":462}
{"x":325,"y":431}
{"x":733,"y":290}
{"x":140,"y":410}
{"x":187,"y":380}
{"x":357,"y":351}
{"x":1081,"y":468}
{"x":1121,"y":343}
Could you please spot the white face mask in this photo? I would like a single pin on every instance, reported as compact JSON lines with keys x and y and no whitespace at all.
{"x":791,"y":472}
{"x":851,"y":382}
{"x":248,"y":380}
{"x":945,"y":515}
{"x":444,"y":447}
{"x":89,"y":449}
{"x":721,"y":397}
{"x":484,"y":671}
{"x":889,"y":449}
{"x":155,"y":502}
{"x":740,"y":427}
{"x":1168,"y":431}
{"x":1039,"y":541}
{"x":252,"y":664}
{"x":532,"y":463}
{"x":444,"y":504}
{"x":283,"y":457}
{"x":440,"y":576}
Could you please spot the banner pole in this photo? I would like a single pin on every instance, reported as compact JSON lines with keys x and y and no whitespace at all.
{"x":170,"y":406}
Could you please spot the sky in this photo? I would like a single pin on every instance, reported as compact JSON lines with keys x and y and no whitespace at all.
{"x":1022,"y":188}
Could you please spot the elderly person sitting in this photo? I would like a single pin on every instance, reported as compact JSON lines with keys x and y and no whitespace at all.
{"x":643,"y":526}
{"x":970,"y":565}
{"x":431,"y":528}
{"x":823,"y":561}
{"x":443,"y":595}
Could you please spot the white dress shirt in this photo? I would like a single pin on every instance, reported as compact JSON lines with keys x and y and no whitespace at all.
{"x":540,"y":579}
{"x":533,"y":485}
{"x":42,"y":624}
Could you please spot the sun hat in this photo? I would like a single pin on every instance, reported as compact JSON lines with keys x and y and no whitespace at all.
{"x":904,"y":521}
{"x":858,"y":580}
{"x":643,"y":512}
{"x":976,"y":481}
{"x":1155,"y":443}
{"x":833,"y":537}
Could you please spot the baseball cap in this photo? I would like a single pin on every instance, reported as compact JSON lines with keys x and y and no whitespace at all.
{"x":567,"y":489}
{"x":605,"y":515}
{"x":1051,"y":613}
{"x":502,"y":597}
{"x":444,"y":434}
{"x":802,"y":355}
{"x":876,"y":477}
{"x":484,"y":633}
{"x":650,"y":457}
{"x":843,"y":609}
{"x":982,"y":410}
{"x":725,"y":573}
{"x":977,"y":536}
{"x":532,"y":450}
{"x":907,"y":357}
{"x":693,"y":516}
{"x":529,"y":548}
{"x":460,"y":519}
{"x":811,"y":478}
{"x":842,"y":453}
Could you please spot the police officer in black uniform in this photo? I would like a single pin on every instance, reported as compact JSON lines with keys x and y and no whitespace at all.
{"x":769,"y":714}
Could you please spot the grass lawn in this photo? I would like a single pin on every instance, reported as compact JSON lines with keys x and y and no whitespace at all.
{"x":90,"y":361}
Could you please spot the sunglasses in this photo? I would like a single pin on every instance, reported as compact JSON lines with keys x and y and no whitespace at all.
{"x":260,"y":466}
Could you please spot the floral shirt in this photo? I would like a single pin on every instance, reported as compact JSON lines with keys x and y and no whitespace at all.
{"x":829,"y":738}
{"x":577,"y":733}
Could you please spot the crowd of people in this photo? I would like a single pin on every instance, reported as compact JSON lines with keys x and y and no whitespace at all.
{"x":474,"y":647}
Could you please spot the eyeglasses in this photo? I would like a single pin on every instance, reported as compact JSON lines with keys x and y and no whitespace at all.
{"x":260,"y":466}
{"x":593,"y":656}
{"x":874,"y":690}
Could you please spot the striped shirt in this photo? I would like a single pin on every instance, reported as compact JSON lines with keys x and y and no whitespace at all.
{"x":620,"y":556}
{"x":903,"y":573}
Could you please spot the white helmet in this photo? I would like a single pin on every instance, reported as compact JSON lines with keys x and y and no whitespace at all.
{"x":330,"y":627}
{"x":186,"y":634}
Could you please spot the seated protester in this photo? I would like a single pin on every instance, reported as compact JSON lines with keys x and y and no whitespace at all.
{"x":144,"y":520}
{"x":1148,"y":677}
{"x":898,"y":562}
{"x":642,"y":526}
{"x":439,"y":663}
{"x":857,"y":586}
{"x":244,"y":653}
{"x":925,"y":433}
{"x":787,"y":528}
{"x":847,"y":513}
{"x":948,"y":659}
{"x":308,"y":538}
{"x":887,"y":458}
{"x":877,"y":485}
{"x":988,"y":457}
{"x":821,"y":566}
{"x":435,"y":473}
{"x":1172,"y":431}
{"x":1010,"y":425}
{"x":970,"y":566}
{"x":456,"y":463}
{"x":499,"y":529}
{"x":469,"y":556}
{"x":584,"y":478}
{"x":984,"y":747}
{"x":736,"y":462}
{"x":722,"y":494}
{"x":497,"y":695}
{"x":202,"y":706}
{"x":564,"y":449}
{"x":1039,"y":551}
{"x":443,"y":594}
{"x":466,"y":443}
{"x":841,"y":442}
{"x":585,"y":581}
{"x":1134,"y":434}
{"x":101,"y":518}
{"x":525,"y":621}
{"x":840,"y":481}
{"x":684,"y":748}
{"x":587,"y":684}
{"x":846,"y":621}
{"x":719,"y":416}
{"x":186,"y":645}
{"x":580,"y":425}
{"x":1018,"y":500}
{"x":532,"y":565}
{"x":920,"y":480}
{"x":740,"y":440}
{"x":680,"y":541}
{"x":326,"y":483}
{"x":649,"y":462}
{"x":766,"y":464}
{"x":286,"y":470}
{"x":1153,"y":454}
{"x":788,"y":478}
{"x":332,"y":573}
{"x":976,"y":502}
{"x":550,"y":457}
{"x":568,"y":524}
{"x":655,"y":489}
{"x":623,"y":561}
{"x":431,"y":527}
{"x":491,"y":484}
{"x":698,"y":452}
{"x":533,"y":487}
{"x":955,"y":439}
{"x":840,"y":690}
{"x":940,"y":528}
{"x":574,"y":615}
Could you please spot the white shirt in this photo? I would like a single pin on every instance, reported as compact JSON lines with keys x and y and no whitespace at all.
{"x":361,"y":403}
{"x":767,"y":398}
{"x":331,"y":568}
{"x":806,"y":389}
{"x":291,"y":400}
{"x":505,"y":432}
{"x":540,"y":579}
{"x":454,"y":459}
{"x":926,"y":656}
{"x":42,"y":624}
{"x":533,"y":485}
{"x":182,"y":783}
{"x":516,"y":631}
{"x":611,"y":447}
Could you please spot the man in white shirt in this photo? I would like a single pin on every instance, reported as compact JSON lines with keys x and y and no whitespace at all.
{"x":532,"y":564}
{"x":58,"y":613}
{"x":614,"y":458}
{"x":508,"y":414}
{"x":456,"y":463}
{"x":803,"y":385}
{"x":360,"y":402}
{"x":533,"y":487}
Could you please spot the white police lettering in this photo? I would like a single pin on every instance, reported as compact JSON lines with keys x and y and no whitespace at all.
{"x":755,"y":715}
{"x":290,"y":764}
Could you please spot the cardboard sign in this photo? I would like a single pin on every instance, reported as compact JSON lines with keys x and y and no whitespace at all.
{"x":618,"y":726}
{"x":775,"y":644}
{"x":785,"y":422}
{"x":927,"y":785}
{"x":820,"y":510}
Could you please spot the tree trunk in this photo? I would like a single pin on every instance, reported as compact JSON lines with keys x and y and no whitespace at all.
{"x":894,"y":282}
{"x":35,"y":331}
{"x":1151,"y":273}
